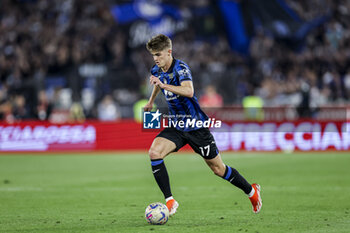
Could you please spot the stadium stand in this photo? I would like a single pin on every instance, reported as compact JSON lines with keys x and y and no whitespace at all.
{"x":59,"y":54}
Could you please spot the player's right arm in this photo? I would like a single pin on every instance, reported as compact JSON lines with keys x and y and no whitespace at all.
{"x":148,"y":107}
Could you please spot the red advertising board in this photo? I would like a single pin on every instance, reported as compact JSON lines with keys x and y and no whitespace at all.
{"x":89,"y":136}
{"x":128,"y":135}
{"x":285,"y":136}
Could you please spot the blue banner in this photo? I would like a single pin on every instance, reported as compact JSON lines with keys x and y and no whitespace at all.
{"x":146,"y":19}
{"x":238,"y":39}
{"x":275,"y":17}
{"x":149,"y":11}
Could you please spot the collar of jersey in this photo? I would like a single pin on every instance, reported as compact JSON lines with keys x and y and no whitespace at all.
{"x":170,"y":70}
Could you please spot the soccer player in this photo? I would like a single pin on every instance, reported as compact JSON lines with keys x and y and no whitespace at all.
{"x":173,"y":77}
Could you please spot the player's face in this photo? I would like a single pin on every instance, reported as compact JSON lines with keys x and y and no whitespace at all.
{"x":162,"y":58}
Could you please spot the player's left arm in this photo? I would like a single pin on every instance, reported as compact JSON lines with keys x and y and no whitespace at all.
{"x":186,"y":88}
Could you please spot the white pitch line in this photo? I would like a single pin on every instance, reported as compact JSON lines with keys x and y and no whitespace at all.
{"x":19,"y":189}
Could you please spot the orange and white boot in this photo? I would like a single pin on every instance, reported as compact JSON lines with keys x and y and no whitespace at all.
{"x":172,"y":205}
{"x":256,"y":199}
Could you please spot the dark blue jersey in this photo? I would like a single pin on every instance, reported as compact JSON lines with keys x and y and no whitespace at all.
{"x":181,"y":108}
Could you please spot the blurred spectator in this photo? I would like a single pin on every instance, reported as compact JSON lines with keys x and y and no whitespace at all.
{"x":253,"y":108}
{"x":20,"y":110}
{"x":347,"y":83}
{"x":6,"y":110}
{"x":44,"y":107}
{"x":88,"y":100}
{"x":107,"y":109}
{"x":210,"y":98}
{"x":76,"y":113}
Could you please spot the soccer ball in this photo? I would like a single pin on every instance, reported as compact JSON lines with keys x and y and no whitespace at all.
{"x":157,"y":213}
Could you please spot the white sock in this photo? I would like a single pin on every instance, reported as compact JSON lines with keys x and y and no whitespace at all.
{"x":251,"y":192}
{"x":169,"y":198}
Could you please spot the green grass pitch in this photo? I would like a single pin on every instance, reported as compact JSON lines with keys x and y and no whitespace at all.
{"x":108,"y":193}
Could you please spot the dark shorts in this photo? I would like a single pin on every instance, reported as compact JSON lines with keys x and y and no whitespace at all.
{"x":201,"y":141}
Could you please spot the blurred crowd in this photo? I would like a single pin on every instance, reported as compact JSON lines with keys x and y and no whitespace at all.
{"x":42,"y":39}
{"x":318,"y":74}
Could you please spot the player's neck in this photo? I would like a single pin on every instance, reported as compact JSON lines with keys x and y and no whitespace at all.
{"x":167,"y":65}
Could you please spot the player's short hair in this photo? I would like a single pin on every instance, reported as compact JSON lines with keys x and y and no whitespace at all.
{"x":159,"y":43}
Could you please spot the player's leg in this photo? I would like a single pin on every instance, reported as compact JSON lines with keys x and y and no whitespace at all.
{"x":167,"y":141}
{"x":228,"y":173}
{"x":160,"y":148}
{"x":234,"y":177}
{"x":203,"y":143}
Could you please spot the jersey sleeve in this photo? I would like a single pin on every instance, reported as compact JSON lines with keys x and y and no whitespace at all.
{"x":184,"y":73}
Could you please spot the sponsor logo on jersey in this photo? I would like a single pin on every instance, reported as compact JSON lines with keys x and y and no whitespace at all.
{"x":185,"y":72}
{"x":168,"y":94}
